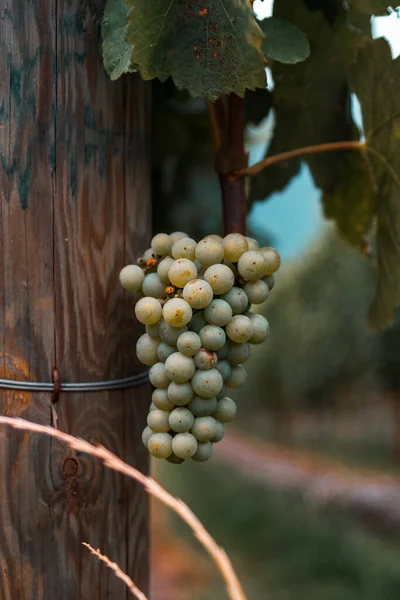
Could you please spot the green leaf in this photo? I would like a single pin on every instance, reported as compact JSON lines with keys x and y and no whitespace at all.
{"x":208,"y":47}
{"x":375,"y":79}
{"x":116,"y":52}
{"x":284,"y":41}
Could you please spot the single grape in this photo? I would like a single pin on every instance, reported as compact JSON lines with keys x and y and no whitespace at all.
{"x":204,"y":452}
{"x":163,"y":268}
{"x":238,"y":353}
{"x":160,"y":400}
{"x":164,"y":350}
{"x":207,"y":383}
{"x":184,"y":445}
{"x":153,"y":286}
{"x":253,"y":244}
{"x":184,"y":248}
{"x":181,"y":420}
{"x":257,"y":291}
{"x":260,"y":329}
{"x":180,"y":393}
{"x":240,"y":329}
{"x":153,"y":331}
{"x":218,"y":312}
{"x":198,"y":293}
{"x":160,"y":445}
{"x":223,"y":392}
{"x":158,"y":377}
{"x":235,"y":245}
{"x":146,"y":350}
{"x":220,"y":432}
{"x":220,"y":277}
{"x":252,"y":265}
{"x":226,"y":410}
{"x":177,"y":235}
{"x":237,"y":300}
{"x":179,"y":367}
{"x":223,"y":352}
{"x":209,"y":251}
{"x":204,"y":428}
{"x":148,"y":310}
{"x":131,"y":278}
{"x":177,"y":312}
{"x":174,"y":459}
{"x":270,"y":281}
{"x":237,"y":378}
{"x":198,"y":321}
{"x":216,"y":237}
{"x":181,"y":272}
{"x":157,"y":420}
{"x":169,"y":334}
{"x":273,"y":260}
{"x":146,"y":435}
{"x":161,"y":244}
{"x":189,"y":343}
{"x":212,"y":337}
{"x":205,"y":359}
{"x":148,"y":254}
{"x":202,"y":407}
{"x":224,"y":368}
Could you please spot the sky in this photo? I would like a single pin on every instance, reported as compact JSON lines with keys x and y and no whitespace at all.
{"x":294,"y":217}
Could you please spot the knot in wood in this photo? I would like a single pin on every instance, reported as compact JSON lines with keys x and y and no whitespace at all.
{"x":70,"y":467}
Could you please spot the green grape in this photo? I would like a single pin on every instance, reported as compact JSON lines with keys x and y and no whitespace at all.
{"x":181,"y":272}
{"x":220,"y":277}
{"x":198,"y":293}
{"x":160,"y":400}
{"x":207,"y":383}
{"x":158,"y":377}
{"x":205,"y":359}
{"x":204,"y":428}
{"x":270,"y":281}
{"x":163,"y":268}
{"x":235,"y":245}
{"x":220,"y":432}
{"x":157,"y":420}
{"x":181,"y":420}
{"x":223,"y":352}
{"x":153,"y":331}
{"x":218,"y":312}
{"x":238,"y":353}
{"x":146,"y":350}
{"x":148,"y":254}
{"x":240,"y":329}
{"x":212,"y":337}
{"x":214,"y":236}
{"x":160,"y":445}
{"x":148,"y":310}
{"x":260,"y":329}
{"x":198,"y":321}
{"x":131,"y":278}
{"x":223,"y":392}
{"x":257,"y":291}
{"x":273,"y":260}
{"x":209,"y":251}
{"x":189,"y":343}
{"x":252,"y":265}
{"x":204,"y":452}
{"x":146,"y":435}
{"x":179,"y":367}
{"x":180,"y":393}
{"x":237,"y":378}
{"x":224,"y":368}
{"x":184,"y":445}
{"x":152,"y":407}
{"x":225,"y":411}
{"x":184,"y":248}
{"x":232,"y":266}
{"x":177,"y":312}
{"x":153,"y":286}
{"x":177,"y":235}
{"x":169,"y":334}
{"x":161,"y":244}
{"x":202,"y":407}
{"x":253,"y":244}
{"x":174,"y":459}
{"x":164,"y":350}
{"x":237,"y":300}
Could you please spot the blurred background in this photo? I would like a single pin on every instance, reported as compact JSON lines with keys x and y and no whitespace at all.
{"x":303,"y":493}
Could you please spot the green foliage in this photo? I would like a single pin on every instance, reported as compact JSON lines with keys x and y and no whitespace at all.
{"x":284,"y":42}
{"x":117,"y":53}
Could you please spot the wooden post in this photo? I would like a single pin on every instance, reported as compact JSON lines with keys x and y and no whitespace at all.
{"x":75,"y":207}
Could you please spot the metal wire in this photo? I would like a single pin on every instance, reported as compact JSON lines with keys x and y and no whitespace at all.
{"x":96,"y":386}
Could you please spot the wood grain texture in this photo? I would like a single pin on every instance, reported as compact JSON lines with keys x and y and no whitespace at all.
{"x":75,"y":207}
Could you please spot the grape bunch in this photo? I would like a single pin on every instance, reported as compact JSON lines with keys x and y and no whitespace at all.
{"x":195,"y":301}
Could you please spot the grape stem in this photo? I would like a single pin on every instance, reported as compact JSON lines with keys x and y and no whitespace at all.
{"x":272,"y":160}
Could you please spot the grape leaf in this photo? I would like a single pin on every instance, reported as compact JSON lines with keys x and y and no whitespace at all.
{"x":284,"y":41}
{"x":375,"y":79}
{"x":209,"y":47}
{"x":116,"y":52}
